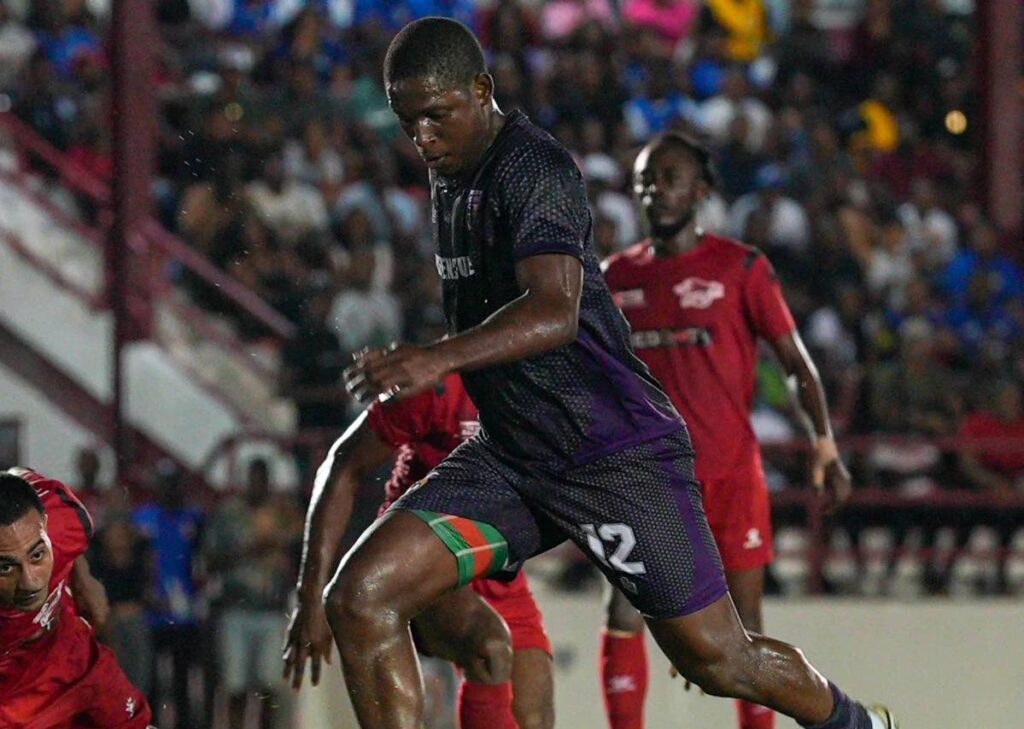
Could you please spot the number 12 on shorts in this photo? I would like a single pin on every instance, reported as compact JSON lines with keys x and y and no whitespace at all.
{"x":620,"y":539}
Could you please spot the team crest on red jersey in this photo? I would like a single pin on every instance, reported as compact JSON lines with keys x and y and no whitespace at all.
{"x":698,"y":293}
{"x":44,"y":618}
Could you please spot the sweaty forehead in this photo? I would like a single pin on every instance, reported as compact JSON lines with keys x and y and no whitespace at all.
{"x":18,"y":538}
{"x":415,"y":95}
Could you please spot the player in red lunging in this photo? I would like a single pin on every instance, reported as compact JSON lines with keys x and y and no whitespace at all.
{"x":53,"y":673}
{"x":462,"y":628}
{"x":697,"y":304}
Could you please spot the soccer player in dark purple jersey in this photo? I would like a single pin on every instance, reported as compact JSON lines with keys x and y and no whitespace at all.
{"x":578,"y":441}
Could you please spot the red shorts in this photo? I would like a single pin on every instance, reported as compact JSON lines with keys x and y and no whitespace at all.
{"x":739,"y":513}
{"x":514,"y":602}
{"x":80,"y":687}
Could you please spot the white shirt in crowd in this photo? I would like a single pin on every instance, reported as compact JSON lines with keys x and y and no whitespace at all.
{"x":789,"y":225}
{"x":717,"y":113}
{"x":293,"y":213}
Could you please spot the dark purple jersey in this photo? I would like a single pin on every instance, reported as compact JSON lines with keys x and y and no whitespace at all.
{"x":576,"y":403}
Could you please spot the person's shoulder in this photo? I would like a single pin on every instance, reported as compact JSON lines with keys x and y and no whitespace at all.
{"x":529,"y":151}
{"x":732,"y":251}
{"x":628,"y":258}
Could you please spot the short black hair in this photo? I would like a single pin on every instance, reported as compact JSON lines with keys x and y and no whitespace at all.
{"x":437,"y":48}
{"x":16,"y":498}
{"x":697,"y":149}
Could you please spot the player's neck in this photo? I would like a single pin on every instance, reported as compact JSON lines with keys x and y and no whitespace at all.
{"x":685,"y":240}
{"x":495,"y":123}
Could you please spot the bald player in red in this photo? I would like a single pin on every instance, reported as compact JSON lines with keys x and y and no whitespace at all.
{"x":53,"y":672}
{"x":419,"y":433}
{"x":698,"y":304}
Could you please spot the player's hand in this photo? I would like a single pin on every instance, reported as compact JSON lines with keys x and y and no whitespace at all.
{"x":398,"y":371}
{"x":308,"y":637}
{"x":829,"y":474}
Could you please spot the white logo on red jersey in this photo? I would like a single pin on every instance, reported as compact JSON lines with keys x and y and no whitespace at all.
{"x":630,"y":299}
{"x":129,"y":706}
{"x":44,"y":618}
{"x":696,"y":293}
{"x":753,"y":539}
{"x":468,"y":428}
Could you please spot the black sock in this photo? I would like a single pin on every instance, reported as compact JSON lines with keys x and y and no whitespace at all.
{"x":846,"y":713}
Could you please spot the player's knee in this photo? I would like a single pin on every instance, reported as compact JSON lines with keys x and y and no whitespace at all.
{"x":534,"y":716}
{"x":356,"y":596}
{"x":724,"y":673}
{"x":484,"y":646}
{"x":489,"y":660}
{"x":717,"y":679}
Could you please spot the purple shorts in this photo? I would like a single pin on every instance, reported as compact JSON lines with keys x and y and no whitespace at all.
{"x":637,"y":513}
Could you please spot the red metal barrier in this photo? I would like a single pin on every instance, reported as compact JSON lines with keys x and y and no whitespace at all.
{"x":158,"y":243}
{"x":804,"y":498}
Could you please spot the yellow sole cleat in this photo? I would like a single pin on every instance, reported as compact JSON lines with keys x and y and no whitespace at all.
{"x":883,"y":713}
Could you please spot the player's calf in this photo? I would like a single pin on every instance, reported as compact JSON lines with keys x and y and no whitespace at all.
{"x":462,"y":628}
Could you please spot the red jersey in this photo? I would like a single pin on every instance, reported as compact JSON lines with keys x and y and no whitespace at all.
{"x":424,"y":428}
{"x":69,"y":528}
{"x":996,"y":456}
{"x":696,"y":318}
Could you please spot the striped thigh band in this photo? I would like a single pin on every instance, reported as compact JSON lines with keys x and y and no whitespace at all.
{"x":479,"y":548}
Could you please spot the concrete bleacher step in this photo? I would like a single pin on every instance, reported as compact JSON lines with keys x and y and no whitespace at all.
{"x":186,"y":397}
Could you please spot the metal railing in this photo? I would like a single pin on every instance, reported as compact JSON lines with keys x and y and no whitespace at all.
{"x":156,"y":246}
{"x":866,"y":498}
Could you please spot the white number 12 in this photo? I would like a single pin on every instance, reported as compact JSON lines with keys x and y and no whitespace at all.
{"x":622,"y":538}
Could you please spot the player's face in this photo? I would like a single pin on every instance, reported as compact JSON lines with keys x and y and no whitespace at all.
{"x":449,"y":126}
{"x":26,"y":563}
{"x":668,"y":185}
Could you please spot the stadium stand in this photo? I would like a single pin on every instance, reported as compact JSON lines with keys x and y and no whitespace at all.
{"x":290,"y":229}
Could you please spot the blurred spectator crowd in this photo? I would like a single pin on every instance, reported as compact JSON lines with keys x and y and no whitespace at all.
{"x":199,"y":592}
{"x":844,"y":133}
{"x":843,"y":130}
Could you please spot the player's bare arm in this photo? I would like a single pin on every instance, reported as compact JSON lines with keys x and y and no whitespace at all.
{"x":355,"y":455}
{"x":90,"y":596}
{"x":828,"y":472}
{"x":544,"y":317}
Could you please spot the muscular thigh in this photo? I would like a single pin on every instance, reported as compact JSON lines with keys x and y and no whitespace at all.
{"x":473,"y":503}
{"x":638,"y":514}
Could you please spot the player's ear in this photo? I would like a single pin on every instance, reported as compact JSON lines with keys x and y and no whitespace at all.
{"x":483,"y":88}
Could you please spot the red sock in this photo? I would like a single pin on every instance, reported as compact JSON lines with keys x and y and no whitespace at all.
{"x":624,"y":678}
{"x":486,"y":706}
{"x":753,"y":716}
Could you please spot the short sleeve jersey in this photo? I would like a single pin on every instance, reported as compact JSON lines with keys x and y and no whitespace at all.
{"x":580,"y":401}
{"x":69,"y":528}
{"x":696,"y":319}
{"x":424,"y":428}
